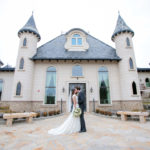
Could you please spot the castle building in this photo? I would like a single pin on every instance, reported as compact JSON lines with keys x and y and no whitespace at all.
{"x":44,"y":76}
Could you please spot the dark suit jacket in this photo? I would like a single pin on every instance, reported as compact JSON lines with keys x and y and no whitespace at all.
{"x":81,"y":100}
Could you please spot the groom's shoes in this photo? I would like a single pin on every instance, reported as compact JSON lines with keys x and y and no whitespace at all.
{"x":82,"y":131}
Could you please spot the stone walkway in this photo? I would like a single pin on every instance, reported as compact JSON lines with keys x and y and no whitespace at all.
{"x":102,"y":134}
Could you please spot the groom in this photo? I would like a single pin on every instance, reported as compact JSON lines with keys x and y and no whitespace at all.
{"x":81,"y":101}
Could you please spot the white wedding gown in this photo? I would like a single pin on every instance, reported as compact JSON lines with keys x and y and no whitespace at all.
{"x":71,"y":124}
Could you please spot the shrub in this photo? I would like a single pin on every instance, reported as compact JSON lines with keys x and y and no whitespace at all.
{"x":58,"y":111}
{"x":136,"y":110}
{"x":4,"y":107}
{"x":55,"y":112}
{"x":44,"y":114}
{"x":97,"y":110}
{"x":105,"y":113}
{"x":51,"y":113}
{"x":38,"y":114}
{"x":100,"y":111}
{"x":118,"y":115}
{"x":109,"y":113}
{"x":7,"y":111}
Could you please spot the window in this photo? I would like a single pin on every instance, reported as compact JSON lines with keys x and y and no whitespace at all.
{"x":147,"y":81}
{"x":131,"y":63}
{"x":76,"y":39}
{"x":104,"y":90}
{"x":127,"y":41}
{"x":77,"y":71}
{"x":18,"y":89}
{"x":1,"y":86}
{"x":21,"y":65}
{"x":134,"y":90}
{"x":50,"y":91}
{"x":24,"y":42}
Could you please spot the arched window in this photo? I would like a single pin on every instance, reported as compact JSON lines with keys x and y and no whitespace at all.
{"x":104,"y":90}
{"x":18,"y":89}
{"x":1,"y":87}
{"x":50,"y":91}
{"x":147,"y":81}
{"x":134,"y":90}
{"x":21,"y":65}
{"x":24,"y":42}
{"x":131,"y":63}
{"x":127,"y":41}
{"x":77,"y":71}
{"x":76,"y":39}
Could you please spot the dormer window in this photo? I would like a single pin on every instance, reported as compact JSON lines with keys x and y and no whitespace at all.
{"x":76,"y":39}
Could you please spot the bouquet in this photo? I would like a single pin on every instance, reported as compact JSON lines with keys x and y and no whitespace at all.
{"x":77,"y":112}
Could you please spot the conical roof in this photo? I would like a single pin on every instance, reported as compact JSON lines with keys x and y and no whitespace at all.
{"x":30,"y":27}
{"x":121,"y":26}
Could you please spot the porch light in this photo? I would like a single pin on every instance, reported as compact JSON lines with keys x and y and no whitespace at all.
{"x":63,"y":89}
{"x":91,"y":90}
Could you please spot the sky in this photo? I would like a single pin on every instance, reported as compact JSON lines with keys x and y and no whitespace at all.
{"x":53,"y":17}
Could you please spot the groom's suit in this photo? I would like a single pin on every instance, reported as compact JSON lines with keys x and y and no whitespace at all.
{"x":81,"y":101}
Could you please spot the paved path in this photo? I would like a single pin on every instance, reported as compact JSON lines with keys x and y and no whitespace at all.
{"x":102,"y":134}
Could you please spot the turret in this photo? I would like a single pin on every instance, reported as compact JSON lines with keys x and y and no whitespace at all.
{"x":29,"y":36}
{"x":129,"y":83}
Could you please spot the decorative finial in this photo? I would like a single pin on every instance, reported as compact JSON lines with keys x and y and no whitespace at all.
{"x":118,"y":12}
{"x":32,"y":12}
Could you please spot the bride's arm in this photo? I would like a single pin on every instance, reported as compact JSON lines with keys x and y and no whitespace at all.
{"x":74,"y":101}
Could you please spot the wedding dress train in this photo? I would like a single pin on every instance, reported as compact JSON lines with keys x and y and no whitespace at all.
{"x":71,"y":125}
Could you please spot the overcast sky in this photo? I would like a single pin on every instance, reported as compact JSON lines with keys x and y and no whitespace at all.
{"x":98,"y":17}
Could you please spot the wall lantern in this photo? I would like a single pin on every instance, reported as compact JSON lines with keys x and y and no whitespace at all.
{"x":91,"y":90}
{"x":63,"y":89}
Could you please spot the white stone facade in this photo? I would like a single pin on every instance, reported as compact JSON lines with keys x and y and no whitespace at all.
{"x":7,"y":78}
{"x":33,"y":77}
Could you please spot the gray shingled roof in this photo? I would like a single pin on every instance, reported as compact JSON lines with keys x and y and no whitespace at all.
{"x":121,"y":26}
{"x":7,"y":68}
{"x":55,"y":50}
{"x":143,"y":69}
{"x":1,"y":62}
{"x":30,"y":27}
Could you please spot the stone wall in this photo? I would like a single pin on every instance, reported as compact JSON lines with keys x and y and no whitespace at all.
{"x":19,"y":106}
{"x":119,"y":105}
{"x":22,"y":106}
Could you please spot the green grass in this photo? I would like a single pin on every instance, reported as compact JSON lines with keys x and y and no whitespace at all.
{"x":4,"y":107}
{"x":146,"y":103}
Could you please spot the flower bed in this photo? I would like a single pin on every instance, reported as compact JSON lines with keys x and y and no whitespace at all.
{"x":103,"y":112}
{"x":45,"y":114}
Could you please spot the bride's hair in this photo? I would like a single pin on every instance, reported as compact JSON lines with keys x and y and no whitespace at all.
{"x":73,"y":91}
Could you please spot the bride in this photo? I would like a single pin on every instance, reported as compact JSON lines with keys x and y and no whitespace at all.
{"x":71,"y":124}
